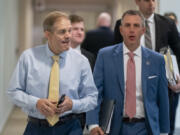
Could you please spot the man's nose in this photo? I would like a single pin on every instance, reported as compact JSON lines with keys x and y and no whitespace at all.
{"x":79,"y":31}
{"x":131,"y":28}
{"x":151,"y":2}
{"x":68,"y":34}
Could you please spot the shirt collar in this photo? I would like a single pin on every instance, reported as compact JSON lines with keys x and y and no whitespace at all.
{"x":137,"y":52}
{"x":151,"y":19}
{"x":50,"y":53}
{"x":78,"y":49}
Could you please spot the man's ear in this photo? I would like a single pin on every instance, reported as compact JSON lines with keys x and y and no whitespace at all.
{"x":144,"y":30}
{"x":120,"y":29}
{"x":46,"y":34}
{"x":136,"y":1}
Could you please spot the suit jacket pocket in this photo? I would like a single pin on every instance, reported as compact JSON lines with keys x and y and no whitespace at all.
{"x":152,"y":86}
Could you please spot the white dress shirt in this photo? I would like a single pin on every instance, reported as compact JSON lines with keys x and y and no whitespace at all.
{"x":139,"y":96}
{"x":78,"y":49}
{"x":30,"y":80}
{"x":151,"y":24}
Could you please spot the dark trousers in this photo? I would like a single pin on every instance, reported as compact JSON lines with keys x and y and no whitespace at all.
{"x":173,"y":102}
{"x":71,"y":127}
{"x":82,"y":119}
{"x":136,"y":128}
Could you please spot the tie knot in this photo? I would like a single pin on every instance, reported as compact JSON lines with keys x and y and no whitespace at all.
{"x":131,"y":55}
{"x":55,"y":58}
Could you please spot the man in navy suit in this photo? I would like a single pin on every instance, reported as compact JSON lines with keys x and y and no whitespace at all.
{"x":151,"y":87}
{"x":164,"y":34}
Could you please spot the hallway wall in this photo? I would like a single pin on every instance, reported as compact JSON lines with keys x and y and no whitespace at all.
{"x":8,"y":44}
{"x":88,"y":11}
{"x":170,"y":6}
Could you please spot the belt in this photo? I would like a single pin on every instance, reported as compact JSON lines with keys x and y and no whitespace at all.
{"x":44,"y":122}
{"x":133,"y":120}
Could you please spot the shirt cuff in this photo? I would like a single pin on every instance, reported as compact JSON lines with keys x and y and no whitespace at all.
{"x":75,"y":106}
{"x":177,"y":91}
{"x":32,"y":103}
{"x":90,"y":127}
{"x":163,"y":133}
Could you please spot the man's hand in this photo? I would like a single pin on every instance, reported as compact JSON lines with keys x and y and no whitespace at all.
{"x":64,"y":106}
{"x":96,"y":131}
{"x":176,"y":88}
{"x":46,"y":107}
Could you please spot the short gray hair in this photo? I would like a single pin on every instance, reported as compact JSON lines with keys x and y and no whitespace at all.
{"x":51,"y":18}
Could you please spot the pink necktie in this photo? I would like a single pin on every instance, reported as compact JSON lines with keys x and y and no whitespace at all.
{"x":130,"y":103}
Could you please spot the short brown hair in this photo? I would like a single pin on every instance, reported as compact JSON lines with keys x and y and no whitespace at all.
{"x":51,"y":18}
{"x":133,"y":12}
{"x":75,"y":18}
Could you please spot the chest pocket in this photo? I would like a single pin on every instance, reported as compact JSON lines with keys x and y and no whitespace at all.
{"x":152,"y":86}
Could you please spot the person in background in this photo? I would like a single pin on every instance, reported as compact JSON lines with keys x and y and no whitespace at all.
{"x":77,"y":38}
{"x":78,"y":35}
{"x":100,"y":37}
{"x":174,"y":95}
{"x":163,"y":31}
{"x":44,"y":73}
{"x":172,"y":16}
{"x":135,"y":78}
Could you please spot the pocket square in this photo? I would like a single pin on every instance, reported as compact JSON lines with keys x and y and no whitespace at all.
{"x":151,"y":77}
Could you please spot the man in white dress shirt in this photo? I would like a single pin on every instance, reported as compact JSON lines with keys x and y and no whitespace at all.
{"x":78,"y":35}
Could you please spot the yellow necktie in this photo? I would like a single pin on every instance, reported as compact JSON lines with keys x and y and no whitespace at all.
{"x":54,"y":88}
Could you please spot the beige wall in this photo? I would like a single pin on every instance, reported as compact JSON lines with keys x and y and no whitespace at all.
{"x":121,"y":6}
{"x":25,"y":25}
{"x":88,"y":11}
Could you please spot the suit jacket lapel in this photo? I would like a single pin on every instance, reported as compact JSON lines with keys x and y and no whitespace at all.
{"x":145,"y":69}
{"x":119,"y":65}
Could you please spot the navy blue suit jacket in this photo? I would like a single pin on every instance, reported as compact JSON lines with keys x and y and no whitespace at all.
{"x":97,"y":39}
{"x":109,"y":79}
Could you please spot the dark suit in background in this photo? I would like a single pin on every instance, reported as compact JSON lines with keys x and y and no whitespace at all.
{"x":117,"y":35}
{"x":97,"y":39}
{"x":166,"y":35}
{"x":89,"y":56}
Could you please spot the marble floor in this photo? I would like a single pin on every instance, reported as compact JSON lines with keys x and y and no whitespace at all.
{"x":16,"y":123}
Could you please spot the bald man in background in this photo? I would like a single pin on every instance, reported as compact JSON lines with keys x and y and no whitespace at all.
{"x":101,"y":37}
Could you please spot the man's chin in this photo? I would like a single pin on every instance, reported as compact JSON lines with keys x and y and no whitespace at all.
{"x":66,"y":48}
